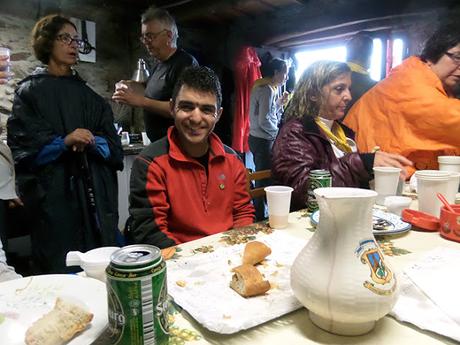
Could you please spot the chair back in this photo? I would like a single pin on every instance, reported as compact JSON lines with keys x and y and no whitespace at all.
{"x":256,"y":176}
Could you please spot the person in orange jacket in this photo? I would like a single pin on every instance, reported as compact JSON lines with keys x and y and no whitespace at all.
{"x":414,"y":111}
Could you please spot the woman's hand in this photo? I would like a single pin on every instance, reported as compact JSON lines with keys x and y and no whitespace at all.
{"x":283,"y":98}
{"x":79,"y":139}
{"x":384,"y":159}
{"x":15,"y":203}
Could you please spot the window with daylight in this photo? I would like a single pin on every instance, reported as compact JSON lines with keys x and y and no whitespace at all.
{"x":339,"y":53}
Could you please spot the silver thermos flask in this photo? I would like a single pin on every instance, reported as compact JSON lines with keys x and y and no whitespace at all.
{"x":141,"y":74}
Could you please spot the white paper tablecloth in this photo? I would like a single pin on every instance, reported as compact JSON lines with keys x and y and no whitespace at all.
{"x":429,"y":293}
{"x":208,"y":297}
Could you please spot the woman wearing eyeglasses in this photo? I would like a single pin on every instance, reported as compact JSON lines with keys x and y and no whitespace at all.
{"x":66,"y":151}
{"x":414,"y":111}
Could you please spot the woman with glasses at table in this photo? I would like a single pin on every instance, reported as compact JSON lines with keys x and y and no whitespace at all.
{"x":66,"y":152}
{"x":414,"y":111}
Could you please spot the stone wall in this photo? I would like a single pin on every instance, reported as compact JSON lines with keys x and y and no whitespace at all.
{"x":116,"y":41}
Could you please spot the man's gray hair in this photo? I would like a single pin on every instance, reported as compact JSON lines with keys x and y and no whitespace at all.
{"x":162,"y":16}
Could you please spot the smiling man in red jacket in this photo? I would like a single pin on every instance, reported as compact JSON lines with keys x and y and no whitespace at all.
{"x":188,"y":184}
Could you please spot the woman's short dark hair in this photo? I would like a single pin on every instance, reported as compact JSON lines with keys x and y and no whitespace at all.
{"x":200,"y":78}
{"x":44,"y":33}
{"x":275,"y":65}
{"x":444,"y":38}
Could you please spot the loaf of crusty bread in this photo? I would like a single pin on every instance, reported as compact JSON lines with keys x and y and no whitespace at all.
{"x":248,"y":281}
{"x":255,"y":252}
{"x":59,"y":325}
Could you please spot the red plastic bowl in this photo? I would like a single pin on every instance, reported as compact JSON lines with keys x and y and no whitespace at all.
{"x":450,"y":223}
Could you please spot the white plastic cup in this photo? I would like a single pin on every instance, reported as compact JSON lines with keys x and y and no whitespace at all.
{"x":452,"y":189}
{"x":5,"y":52}
{"x":120,"y":85}
{"x":386,"y":181}
{"x":429,"y":183}
{"x":449,"y":163}
{"x":279,"y":203}
{"x":124,"y":138}
{"x":145,"y":139}
{"x":395,"y":204}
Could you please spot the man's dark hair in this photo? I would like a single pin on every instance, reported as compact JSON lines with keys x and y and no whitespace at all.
{"x":200,"y":78}
{"x":444,"y":38}
{"x":44,"y":33}
{"x":275,"y":65}
{"x":359,"y":48}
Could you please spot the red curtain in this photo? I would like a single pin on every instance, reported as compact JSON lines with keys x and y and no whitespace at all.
{"x":247,"y":70}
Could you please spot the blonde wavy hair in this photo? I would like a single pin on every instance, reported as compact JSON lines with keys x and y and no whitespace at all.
{"x":310,"y":86}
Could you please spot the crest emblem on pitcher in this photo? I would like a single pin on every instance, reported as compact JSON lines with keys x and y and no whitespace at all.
{"x":380,"y":274}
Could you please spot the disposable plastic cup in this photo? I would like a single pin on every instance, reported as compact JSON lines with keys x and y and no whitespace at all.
{"x":279,"y":202}
{"x":452,"y":189}
{"x":429,"y":183}
{"x":5,"y":67}
{"x":125,"y":138}
{"x":386,"y":181}
{"x":449,"y":163}
{"x":145,"y":139}
{"x":395,"y":204}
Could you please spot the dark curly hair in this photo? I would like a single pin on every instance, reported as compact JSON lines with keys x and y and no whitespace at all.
{"x":199,"y":78}
{"x":44,"y":33}
{"x":444,"y":38}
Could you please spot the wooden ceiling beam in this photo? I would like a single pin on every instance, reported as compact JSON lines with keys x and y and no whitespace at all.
{"x":295,"y":21}
{"x":362,"y":24}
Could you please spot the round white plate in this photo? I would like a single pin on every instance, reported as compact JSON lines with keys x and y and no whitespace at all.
{"x":384,"y":223}
{"x":23,"y":301}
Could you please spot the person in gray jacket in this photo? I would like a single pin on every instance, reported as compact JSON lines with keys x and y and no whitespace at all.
{"x":265,"y":114}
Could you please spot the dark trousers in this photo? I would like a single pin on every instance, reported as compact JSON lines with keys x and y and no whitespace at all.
{"x":262,"y":151}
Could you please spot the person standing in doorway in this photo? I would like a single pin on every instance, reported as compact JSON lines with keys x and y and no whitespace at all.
{"x":159,"y":36}
{"x":359,"y":52}
{"x":265,"y":115}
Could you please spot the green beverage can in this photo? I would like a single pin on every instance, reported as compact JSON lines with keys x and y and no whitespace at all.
{"x":137,"y":296}
{"x":317,"y":179}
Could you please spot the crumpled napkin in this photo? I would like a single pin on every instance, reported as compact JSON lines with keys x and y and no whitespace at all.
{"x":428,"y":296}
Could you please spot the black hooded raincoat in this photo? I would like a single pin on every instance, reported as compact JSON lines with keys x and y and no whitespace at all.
{"x":71,"y":202}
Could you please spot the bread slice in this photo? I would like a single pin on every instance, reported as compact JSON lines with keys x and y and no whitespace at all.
{"x":255,"y":252}
{"x":248,"y":281}
{"x":59,"y":325}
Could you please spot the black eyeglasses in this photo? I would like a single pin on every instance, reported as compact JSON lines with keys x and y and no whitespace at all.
{"x":150,"y":36}
{"x":455,"y":57}
{"x":188,"y":107}
{"x":68,"y":39}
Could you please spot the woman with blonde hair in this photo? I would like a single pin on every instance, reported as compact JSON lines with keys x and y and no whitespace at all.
{"x":313,"y":138}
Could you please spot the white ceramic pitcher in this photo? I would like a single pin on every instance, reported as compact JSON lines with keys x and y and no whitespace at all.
{"x":340,"y":275}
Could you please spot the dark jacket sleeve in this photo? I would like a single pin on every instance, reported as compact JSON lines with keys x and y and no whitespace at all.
{"x":106,"y":130}
{"x":27,"y":131}
{"x":146,"y":224}
{"x":296,"y":153}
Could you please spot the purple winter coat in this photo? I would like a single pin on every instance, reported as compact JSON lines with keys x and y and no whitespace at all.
{"x":301,"y":146}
